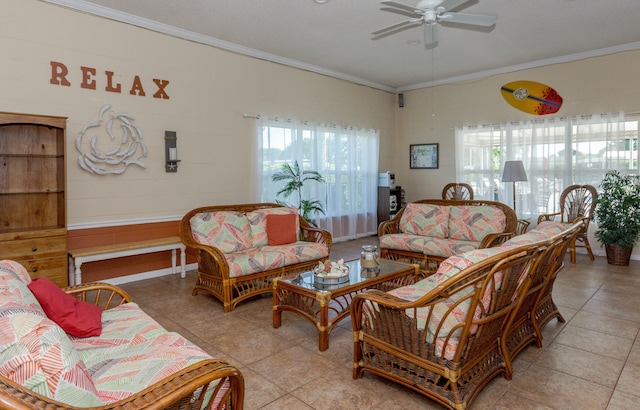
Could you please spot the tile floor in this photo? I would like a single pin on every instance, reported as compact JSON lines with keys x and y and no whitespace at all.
{"x":590,"y":362}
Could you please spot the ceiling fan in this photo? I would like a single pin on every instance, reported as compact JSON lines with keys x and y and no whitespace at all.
{"x":429,"y":13}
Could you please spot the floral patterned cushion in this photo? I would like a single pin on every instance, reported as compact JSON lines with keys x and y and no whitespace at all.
{"x":258,"y":223}
{"x":402,"y":241}
{"x":552,"y":227}
{"x":451,"y":312}
{"x":299,"y":252}
{"x":34,"y":351}
{"x":545,"y":230}
{"x":133,"y":352}
{"x":252,"y":261}
{"x":473,"y":223}
{"x":227,"y":230}
{"x":427,"y":245}
{"x":447,"y":247}
{"x":426,"y":220}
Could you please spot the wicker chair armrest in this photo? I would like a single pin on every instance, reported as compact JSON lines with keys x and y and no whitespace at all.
{"x":389,"y":227}
{"x":495,"y":239}
{"x":310,"y":234}
{"x":549,"y":217}
{"x":381,"y":298}
{"x":173,"y":391}
{"x":103,"y":295}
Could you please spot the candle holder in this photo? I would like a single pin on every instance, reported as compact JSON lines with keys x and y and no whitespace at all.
{"x":171,"y":151}
{"x":369,"y":264}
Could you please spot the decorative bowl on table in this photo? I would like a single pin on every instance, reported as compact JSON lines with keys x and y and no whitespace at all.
{"x":331,"y":273}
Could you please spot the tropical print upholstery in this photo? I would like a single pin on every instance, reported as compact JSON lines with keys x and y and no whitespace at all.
{"x":450,"y":312}
{"x":543,"y":231}
{"x":34,"y":351}
{"x":243,"y":240}
{"x":426,"y":220}
{"x":403,"y":241}
{"x":133,"y":352}
{"x":473,"y":223}
{"x":299,"y":252}
{"x":227,"y":230}
{"x":252,"y":261}
{"x":427,"y":245}
{"x":443,"y":231}
{"x":258,"y":223}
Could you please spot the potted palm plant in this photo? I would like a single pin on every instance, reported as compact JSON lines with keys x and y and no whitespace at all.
{"x":618,"y":216}
{"x":295,"y":180}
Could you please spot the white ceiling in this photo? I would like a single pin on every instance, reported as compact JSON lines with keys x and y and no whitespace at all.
{"x":335,"y":38}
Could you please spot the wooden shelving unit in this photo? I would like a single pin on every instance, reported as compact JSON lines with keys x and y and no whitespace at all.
{"x":33,"y":220}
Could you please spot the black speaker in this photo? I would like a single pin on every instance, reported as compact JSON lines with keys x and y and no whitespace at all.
{"x":400,"y":100}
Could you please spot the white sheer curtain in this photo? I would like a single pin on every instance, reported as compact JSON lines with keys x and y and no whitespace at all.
{"x":556,"y":153}
{"x":347,"y":157}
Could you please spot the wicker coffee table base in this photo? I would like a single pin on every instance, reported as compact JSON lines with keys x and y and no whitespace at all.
{"x":326,"y":308}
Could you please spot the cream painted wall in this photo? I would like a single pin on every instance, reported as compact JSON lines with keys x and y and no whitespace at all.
{"x":590,"y":86}
{"x":209,"y":91}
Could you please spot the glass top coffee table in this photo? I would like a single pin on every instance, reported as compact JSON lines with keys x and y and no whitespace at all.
{"x":327,"y":304}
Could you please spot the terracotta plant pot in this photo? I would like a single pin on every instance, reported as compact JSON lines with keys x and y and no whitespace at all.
{"x":617,"y":255}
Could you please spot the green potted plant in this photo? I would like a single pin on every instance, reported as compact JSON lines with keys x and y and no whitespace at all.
{"x":618,"y":216}
{"x":295,"y":179}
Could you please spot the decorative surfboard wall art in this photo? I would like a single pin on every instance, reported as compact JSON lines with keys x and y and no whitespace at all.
{"x":532,"y":97}
{"x":117,"y":146}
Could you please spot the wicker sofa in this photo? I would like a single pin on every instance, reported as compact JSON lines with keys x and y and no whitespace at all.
{"x":240,"y":249}
{"x":428,"y":231}
{"x":448,"y":335}
{"x":96,"y":349}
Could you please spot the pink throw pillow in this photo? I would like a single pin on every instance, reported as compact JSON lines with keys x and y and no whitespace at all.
{"x":75,"y":317}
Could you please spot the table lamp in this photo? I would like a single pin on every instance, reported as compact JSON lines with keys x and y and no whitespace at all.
{"x":514,"y":172}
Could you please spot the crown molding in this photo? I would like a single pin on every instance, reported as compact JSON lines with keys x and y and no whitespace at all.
{"x":127,"y":18}
{"x":519,"y":67}
{"x":101,"y":11}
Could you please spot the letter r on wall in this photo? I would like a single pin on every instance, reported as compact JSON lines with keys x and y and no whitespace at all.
{"x":59,"y":73}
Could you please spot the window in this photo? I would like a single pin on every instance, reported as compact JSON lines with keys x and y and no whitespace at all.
{"x":556,"y":153}
{"x":347,"y":158}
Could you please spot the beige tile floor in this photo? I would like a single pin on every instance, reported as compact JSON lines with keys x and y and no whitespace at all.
{"x":590,"y":362}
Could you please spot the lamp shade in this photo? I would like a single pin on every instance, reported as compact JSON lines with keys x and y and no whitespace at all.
{"x":513,"y":171}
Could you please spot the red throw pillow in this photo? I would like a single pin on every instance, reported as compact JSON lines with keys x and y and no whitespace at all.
{"x":281,"y":229}
{"x":76,"y":317}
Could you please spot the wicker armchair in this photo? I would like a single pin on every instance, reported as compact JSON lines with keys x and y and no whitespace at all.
{"x":447,"y":363}
{"x":173,"y":392}
{"x":213,"y":269}
{"x":576,"y":201}
{"x":456,"y":190}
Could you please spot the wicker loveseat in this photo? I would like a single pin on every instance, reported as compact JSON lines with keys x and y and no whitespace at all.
{"x":448,"y":335}
{"x":240,"y":250}
{"x":128,"y":361}
{"x":428,"y":231}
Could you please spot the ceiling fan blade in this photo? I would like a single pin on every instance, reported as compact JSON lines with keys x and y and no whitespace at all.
{"x":452,"y":4}
{"x":466,"y":18}
{"x":430,"y":33}
{"x":396,"y":26}
{"x":400,"y":6}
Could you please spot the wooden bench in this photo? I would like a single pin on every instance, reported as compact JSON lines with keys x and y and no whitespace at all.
{"x":99,"y":253}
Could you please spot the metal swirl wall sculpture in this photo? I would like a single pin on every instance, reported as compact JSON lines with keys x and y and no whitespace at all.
{"x":112,"y":155}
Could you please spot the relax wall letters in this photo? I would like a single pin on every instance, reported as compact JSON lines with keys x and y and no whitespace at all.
{"x":59,"y":73}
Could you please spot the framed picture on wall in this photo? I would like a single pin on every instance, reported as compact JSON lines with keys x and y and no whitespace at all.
{"x":423,"y":156}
